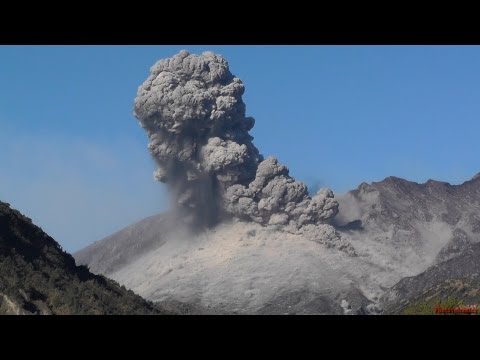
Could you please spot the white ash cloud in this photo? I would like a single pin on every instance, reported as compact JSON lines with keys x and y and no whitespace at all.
{"x":192,"y":110}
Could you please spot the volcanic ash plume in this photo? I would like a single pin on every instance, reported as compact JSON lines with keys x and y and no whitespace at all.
{"x":192,"y":110}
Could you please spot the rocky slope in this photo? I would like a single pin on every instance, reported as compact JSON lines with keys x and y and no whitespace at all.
{"x":401,"y":204}
{"x":434,"y":228}
{"x":38,"y":277}
{"x":409,"y":223}
{"x":456,"y":278}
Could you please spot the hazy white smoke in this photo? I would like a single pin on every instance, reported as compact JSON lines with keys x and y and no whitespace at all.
{"x":192,"y":110}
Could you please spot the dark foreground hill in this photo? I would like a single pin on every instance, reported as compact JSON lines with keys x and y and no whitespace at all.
{"x":38,"y":277}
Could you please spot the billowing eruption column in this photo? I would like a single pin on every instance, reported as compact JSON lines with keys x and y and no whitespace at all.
{"x":192,"y":110}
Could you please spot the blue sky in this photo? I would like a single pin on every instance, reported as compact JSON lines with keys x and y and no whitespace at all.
{"x":74,"y":159}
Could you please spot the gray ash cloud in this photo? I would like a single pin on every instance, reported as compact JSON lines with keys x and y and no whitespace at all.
{"x":192,"y":110}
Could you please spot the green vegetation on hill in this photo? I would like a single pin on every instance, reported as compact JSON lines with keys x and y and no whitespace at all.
{"x":427,"y":307}
{"x":449,"y":294}
{"x":38,"y":277}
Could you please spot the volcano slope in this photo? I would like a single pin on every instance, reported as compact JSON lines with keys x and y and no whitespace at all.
{"x":399,"y":229}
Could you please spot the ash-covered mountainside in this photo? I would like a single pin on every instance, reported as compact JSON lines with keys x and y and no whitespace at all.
{"x":456,"y":278}
{"x":123,"y":247}
{"x":398,"y":228}
{"x":38,"y":277}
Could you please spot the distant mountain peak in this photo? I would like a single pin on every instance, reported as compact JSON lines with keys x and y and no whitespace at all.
{"x":394,"y":179}
{"x":437,"y":183}
{"x":476,"y":177}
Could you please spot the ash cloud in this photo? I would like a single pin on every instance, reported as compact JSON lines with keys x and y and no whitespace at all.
{"x":192,"y":110}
